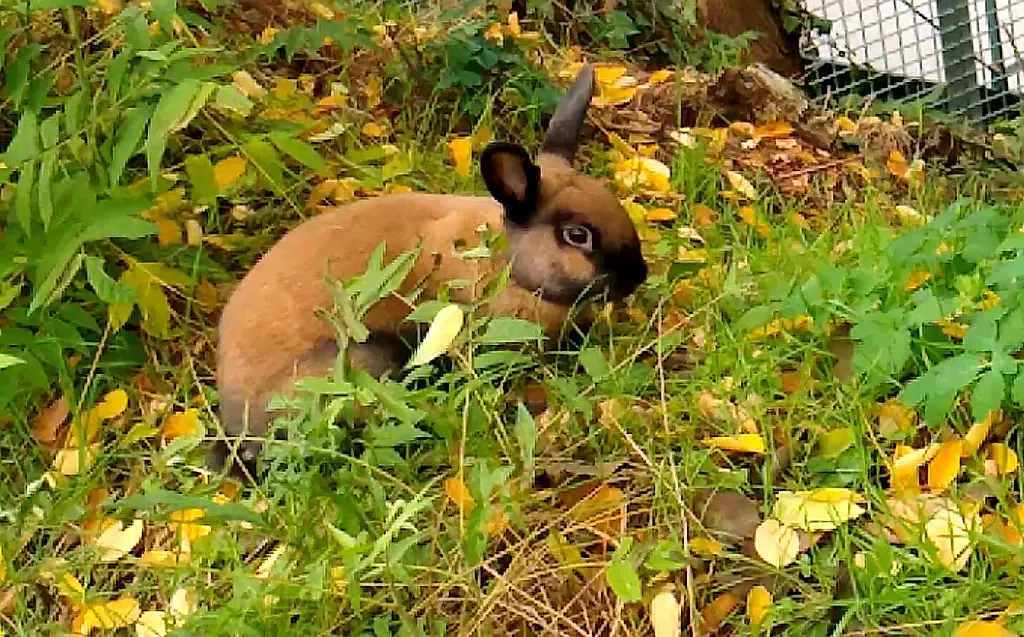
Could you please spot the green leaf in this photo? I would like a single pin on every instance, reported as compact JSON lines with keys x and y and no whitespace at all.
{"x":526,"y":434}
{"x":622,"y":576}
{"x":45,"y":194}
{"x":981,"y":335}
{"x":152,"y":302}
{"x":107,"y":289}
{"x":23,"y":197}
{"x":1017,"y":392}
{"x":667,"y":556}
{"x":395,"y":435}
{"x":299,"y":151}
{"x":377,"y":283}
{"x":128,"y":137}
{"x":229,"y":511}
{"x":267,"y":162}
{"x":73,"y":112}
{"x":938,"y":387}
{"x":230,"y":98}
{"x":505,"y":329}
{"x":18,"y":70}
{"x":500,"y":358}
{"x":164,"y":10}
{"x":170,"y":114}
{"x":594,"y":363}
{"x":6,"y":360}
{"x":988,"y":394}
{"x":25,"y":144}
{"x":49,"y":131}
{"x":201,"y":176}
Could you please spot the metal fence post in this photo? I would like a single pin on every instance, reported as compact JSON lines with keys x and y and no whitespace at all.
{"x":964,"y":96}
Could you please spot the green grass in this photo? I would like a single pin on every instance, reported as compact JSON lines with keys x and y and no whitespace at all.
{"x":375,"y":541}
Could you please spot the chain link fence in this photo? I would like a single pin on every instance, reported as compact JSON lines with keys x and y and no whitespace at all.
{"x":962,"y":57}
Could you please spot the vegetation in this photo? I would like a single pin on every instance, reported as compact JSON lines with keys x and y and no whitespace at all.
{"x":803,"y":423}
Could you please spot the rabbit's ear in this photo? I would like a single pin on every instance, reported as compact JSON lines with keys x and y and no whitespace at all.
{"x":512,"y":179}
{"x":562,"y":137}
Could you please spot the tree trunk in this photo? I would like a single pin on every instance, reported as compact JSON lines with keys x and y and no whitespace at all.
{"x":774,"y":47}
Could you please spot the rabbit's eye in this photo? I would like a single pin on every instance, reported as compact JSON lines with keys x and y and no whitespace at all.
{"x":578,"y":236}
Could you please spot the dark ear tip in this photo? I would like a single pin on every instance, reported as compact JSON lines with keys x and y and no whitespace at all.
{"x":494,"y":148}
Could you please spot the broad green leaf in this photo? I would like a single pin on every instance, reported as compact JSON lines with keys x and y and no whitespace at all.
{"x":594,"y":363}
{"x":49,"y":131}
{"x":45,"y":194}
{"x":65,"y":278}
{"x":981,"y":335}
{"x":18,"y":70}
{"x":396,"y":435}
{"x":73,"y":112}
{"x":171,"y":110}
{"x":118,"y":65}
{"x":164,"y":10}
{"x":9,"y":292}
{"x":1018,"y":390}
{"x":987,"y":394}
{"x":666,"y":556}
{"x":267,"y":162}
{"x":230,"y":98}
{"x":622,"y":576}
{"x":526,"y":434}
{"x":504,"y":329}
{"x":107,"y":289}
{"x":23,"y":197}
{"x":128,"y":137}
{"x":377,"y":283}
{"x":25,"y":144}
{"x":299,"y":151}
{"x":6,"y":360}
{"x":202,"y":178}
{"x":499,"y":358}
{"x":939,"y":385}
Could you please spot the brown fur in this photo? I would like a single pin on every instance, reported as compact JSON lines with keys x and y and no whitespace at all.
{"x":270,"y":334}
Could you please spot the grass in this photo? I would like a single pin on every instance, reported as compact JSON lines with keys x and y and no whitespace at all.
{"x":456,"y":509}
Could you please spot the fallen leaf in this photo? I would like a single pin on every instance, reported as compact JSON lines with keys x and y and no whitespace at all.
{"x":119,"y":613}
{"x":895,"y":418}
{"x":981,"y":628}
{"x":113,"y":405}
{"x":773,"y":130}
{"x":949,"y":532}
{"x":246,"y":84}
{"x":151,"y":624}
{"x":440,"y":335}
{"x":665,"y":614}
{"x":1004,"y":457}
{"x":67,"y":461}
{"x":461,"y":149}
{"x":608,"y":74}
{"x":162,"y":557}
{"x":705,"y":546}
{"x":776,"y":543}
{"x":183,"y":603}
{"x":740,"y":184}
{"x":117,"y":541}
{"x":228,"y":170}
{"x":729,"y":515}
{"x":945,"y":466}
{"x":759,"y":600}
{"x":712,"y":615}
{"x":976,"y":435}
{"x":818,"y":510}
{"x":184,"y":423}
{"x":458,"y":493}
{"x":193,"y":232}
{"x":661,"y":214}
{"x":644,"y":172}
{"x":909,"y":216}
{"x":373,"y":129}
{"x":834,"y":442}
{"x":48,"y":422}
{"x":660,"y":76}
{"x":703,"y":216}
{"x":743,"y":443}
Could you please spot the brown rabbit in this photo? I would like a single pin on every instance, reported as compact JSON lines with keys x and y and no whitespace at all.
{"x":567,"y":238}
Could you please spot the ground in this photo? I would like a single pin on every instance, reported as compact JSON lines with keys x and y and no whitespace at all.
{"x":803,"y":423}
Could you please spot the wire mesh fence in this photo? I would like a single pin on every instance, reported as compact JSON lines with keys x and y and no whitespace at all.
{"x":961,"y":57}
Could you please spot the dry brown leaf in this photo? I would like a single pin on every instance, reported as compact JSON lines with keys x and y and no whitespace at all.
{"x":712,"y":615}
{"x":48,"y":422}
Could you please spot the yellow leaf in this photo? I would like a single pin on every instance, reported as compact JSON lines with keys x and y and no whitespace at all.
{"x":482,"y":135}
{"x":945,"y":466}
{"x":168,"y":233}
{"x":185,"y":423}
{"x":661,"y":214}
{"x":113,"y":405}
{"x":119,"y":613}
{"x":372,"y":129}
{"x":980,"y":628}
{"x":246,"y":84}
{"x":703,"y":216}
{"x":818,"y":510}
{"x":759,"y":600}
{"x":228,"y":170}
{"x":743,"y":443}
{"x":613,"y":95}
{"x":193,"y":232}
{"x":1004,"y":457}
{"x":458,"y":493}
{"x":740,"y":184}
{"x":116,"y":540}
{"x":161,"y":557}
{"x":183,"y":603}
{"x":608,"y":75}
{"x":644,"y":172}
{"x":461,"y":149}
{"x":949,"y":532}
{"x":440,"y":335}
{"x":151,"y":624}
{"x":909,"y":216}
{"x":744,"y":129}
{"x":665,"y":614}
{"x":513,"y":25}
{"x":705,"y":546}
{"x":67,"y":461}
{"x":773,"y":130}
{"x":776,"y":543}
{"x":916,"y":279}
{"x":975,"y":436}
{"x":846,"y":125}
{"x":660,"y":76}
{"x":895,"y":418}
